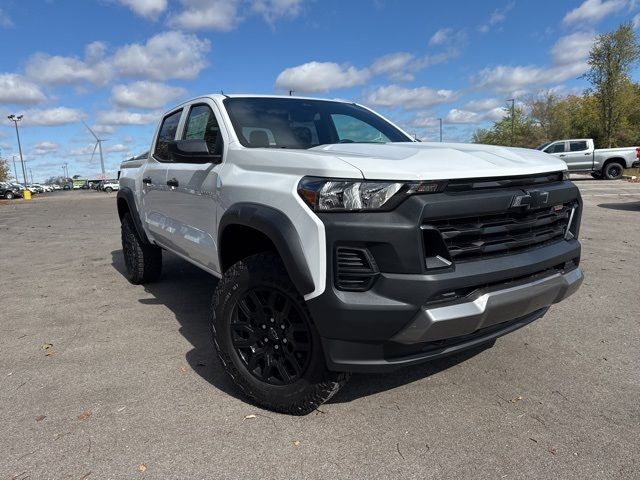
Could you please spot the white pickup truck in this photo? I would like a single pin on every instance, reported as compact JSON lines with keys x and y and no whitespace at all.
{"x":603,"y":163}
{"x":340,"y":244}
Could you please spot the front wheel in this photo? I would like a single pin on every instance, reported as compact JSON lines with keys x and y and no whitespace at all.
{"x":108,"y":189}
{"x":8,"y":195}
{"x":266,"y":339}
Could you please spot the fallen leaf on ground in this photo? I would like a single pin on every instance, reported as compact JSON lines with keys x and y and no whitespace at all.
{"x":50,"y":353}
{"x":515,"y":400}
{"x":46,"y":346}
{"x":84,"y":415}
{"x":296,"y":443}
{"x":142,"y":468}
{"x":39,"y":418}
{"x":183,"y":369}
{"x":553,"y":451}
{"x":249,"y":417}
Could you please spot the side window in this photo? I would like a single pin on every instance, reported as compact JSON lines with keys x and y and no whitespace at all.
{"x":167,"y":134}
{"x":351,"y":129}
{"x":577,"y":146}
{"x":555,"y":148}
{"x":202,"y":125}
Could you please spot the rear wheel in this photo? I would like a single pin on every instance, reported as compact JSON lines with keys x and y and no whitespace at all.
{"x":143,"y":261}
{"x":108,"y":189}
{"x":613,"y":171}
{"x":8,"y":195}
{"x":266,"y":340}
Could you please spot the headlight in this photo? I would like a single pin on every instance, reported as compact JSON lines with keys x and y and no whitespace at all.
{"x":327,"y":195}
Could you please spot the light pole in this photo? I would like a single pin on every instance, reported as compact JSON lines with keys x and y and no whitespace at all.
{"x":31,"y":174}
{"x":15,"y":120}
{"x":440,"y":120}
{"x":15,"y":170}
{"x":513,"y":119}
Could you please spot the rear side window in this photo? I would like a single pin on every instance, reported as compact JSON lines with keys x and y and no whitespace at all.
{"x":167,"y":134}
{"x":556,"y":148}
{"x":577,"y":146}
{"x":202,"y":125}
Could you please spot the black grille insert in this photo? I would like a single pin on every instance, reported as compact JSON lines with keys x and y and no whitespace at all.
{"x":499,"y":234}
{"x":355,"y":269}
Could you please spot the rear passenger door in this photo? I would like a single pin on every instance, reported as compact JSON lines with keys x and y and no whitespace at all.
{"x":579,"y":156}
{"x":193,"y":189}
{"x":154,"y":190}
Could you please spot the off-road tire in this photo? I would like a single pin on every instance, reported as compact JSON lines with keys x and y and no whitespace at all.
{"x":143,"y":261}
{"x":315,"y":385}
{"x":613,"y":171}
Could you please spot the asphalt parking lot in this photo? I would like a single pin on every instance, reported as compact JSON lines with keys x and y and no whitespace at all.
{"x":102,"y":379}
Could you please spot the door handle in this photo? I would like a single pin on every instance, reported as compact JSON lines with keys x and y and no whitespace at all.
{"x":587,"y":153}
{"x":146,"y":180}
{"x":173,"y":182}
{"x":562,"y":155}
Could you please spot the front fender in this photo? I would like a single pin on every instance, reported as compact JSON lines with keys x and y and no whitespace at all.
{"x":279,"y":229}
{"x":126,"y":202}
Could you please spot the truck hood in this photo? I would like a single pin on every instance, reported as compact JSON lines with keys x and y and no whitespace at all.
{"x":441,"y":161}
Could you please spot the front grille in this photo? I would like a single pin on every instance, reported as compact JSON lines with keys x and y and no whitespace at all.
{"x":355,"y":269}
{"x":499,"y":234}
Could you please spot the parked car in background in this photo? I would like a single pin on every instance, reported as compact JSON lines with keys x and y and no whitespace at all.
{"x":55,"y":186}
{"x":110,"y":185}
{"x":9,"y":191}
{"x":603,"y":163}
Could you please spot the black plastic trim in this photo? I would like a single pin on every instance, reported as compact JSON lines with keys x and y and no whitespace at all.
{"x":279,"y":229}
{"x":126,"y":194}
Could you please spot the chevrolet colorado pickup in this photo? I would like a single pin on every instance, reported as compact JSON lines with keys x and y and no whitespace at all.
{"x":342,"y":245}
{"x":580,"y":155}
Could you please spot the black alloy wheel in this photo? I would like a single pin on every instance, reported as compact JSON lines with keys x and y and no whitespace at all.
{"x":270,"y":335}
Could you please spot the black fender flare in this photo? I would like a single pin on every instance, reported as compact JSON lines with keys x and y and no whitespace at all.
{"x":280,"y":230}
{"x":125,"y":195}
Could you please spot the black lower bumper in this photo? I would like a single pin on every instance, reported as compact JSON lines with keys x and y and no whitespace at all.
{"x":636,"y":164}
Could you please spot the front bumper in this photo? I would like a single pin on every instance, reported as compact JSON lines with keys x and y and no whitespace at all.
{"x":636,"y":164}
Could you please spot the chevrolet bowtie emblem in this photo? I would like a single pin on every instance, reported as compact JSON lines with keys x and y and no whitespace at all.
{"x":531,"y":199}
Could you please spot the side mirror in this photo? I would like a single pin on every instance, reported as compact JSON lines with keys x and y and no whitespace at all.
{"x":192,"y":151}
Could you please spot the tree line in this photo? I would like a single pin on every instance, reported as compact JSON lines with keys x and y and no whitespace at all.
{"x":608,"y":110}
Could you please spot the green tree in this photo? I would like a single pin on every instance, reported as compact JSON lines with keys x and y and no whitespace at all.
{"x":5,"y":171}
{"x":525,"y":131}
{"x":610,"y":61}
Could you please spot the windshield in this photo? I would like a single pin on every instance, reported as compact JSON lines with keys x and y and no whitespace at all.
{"x":298,"y":123}
{"x":543,"y":146}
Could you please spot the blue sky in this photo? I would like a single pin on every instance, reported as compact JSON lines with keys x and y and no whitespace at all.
{"x":117,"y":64}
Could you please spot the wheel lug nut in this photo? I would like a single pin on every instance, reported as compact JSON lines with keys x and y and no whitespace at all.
{"x":284,"y":340}
{"x":264,"y":327}
{"x":272,"y":320}
{"x":276,"y":347}
{"x":282,"y":326}
{"x":266,"y":339}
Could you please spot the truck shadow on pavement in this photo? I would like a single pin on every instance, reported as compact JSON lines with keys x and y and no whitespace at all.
{"x":627,"y":206}
{"x":186,"y":290}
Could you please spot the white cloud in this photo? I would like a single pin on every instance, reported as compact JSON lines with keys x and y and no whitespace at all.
{"x":221,"y":15}
{"x":118,"y":147}
{"x":409,"y":98}
{"x":569,"y":55}
{"x":59,"y":70}
{"x":44,"y":148}
{"x":320,"y":77}
{"x":636,"y":21}
{"x":440,"y":37}
{"x":145,"y":94}
{"x":124,"y":117}
{"x":482,"y":104}
{"x":17,"y":89}
{"x":498,"y":16}
{"x":461,"y":116}
{"x":52,"y":116}
{"x":591,"y":11}
{"x":398,"y":66}
{"x":572,"y":48}
{"x":5,"y":20}
{"x":272,"y":10}
{"x":100,"y":129}
{"x":149,"y":9}
{"x":166,"y":55}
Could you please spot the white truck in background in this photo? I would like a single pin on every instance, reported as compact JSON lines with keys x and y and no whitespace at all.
{"x":580,"y":155}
